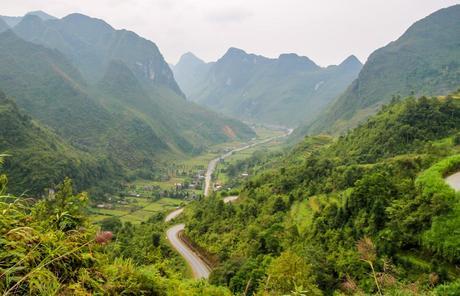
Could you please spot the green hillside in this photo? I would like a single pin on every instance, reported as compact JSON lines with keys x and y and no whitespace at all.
{"x":92,"y":44}
{"x":423,"y":61}
{"x":46,"y":86}
{"x":94,"y":47}
{"x":368,"y":213}
{"x":39,"y":159}
{"x":286,"y":91}
{"x":184,"y":124}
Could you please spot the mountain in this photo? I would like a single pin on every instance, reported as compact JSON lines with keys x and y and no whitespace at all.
{"x":94,"y":47}
{"x":285,"y":91}
{"x":423,"y":61}
{"x":14,"y":20}
{"x":125,"y":118}
{"x":40,"y":159}
{"x":42,"y":15}
{"x":91,"y":44}
{"x":190,"y":72}
{"x":3,"y":26}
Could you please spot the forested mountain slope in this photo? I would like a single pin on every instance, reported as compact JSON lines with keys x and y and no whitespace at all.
{"x":285,"y":91}
{"x":44,"y":84}
{"x":91,"y":44}
{"x":364,"y":214}
{"x":39,"y":159}
{"x":94,"y":47}
{"x":424,"y":60}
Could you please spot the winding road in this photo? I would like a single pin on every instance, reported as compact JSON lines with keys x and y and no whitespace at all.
{"x":174,"y":214}
{"x":213,"y":163}
{"x":454,"y":181}
{"x":199,"y":268}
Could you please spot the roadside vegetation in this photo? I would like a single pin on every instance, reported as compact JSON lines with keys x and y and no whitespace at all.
{"x":368,"y":213}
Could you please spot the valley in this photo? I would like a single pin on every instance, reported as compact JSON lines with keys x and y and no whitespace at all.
{"x":181,"y":183}
{"x":201,"y":269}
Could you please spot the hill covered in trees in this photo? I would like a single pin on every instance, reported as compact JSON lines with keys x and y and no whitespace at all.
{"x":423,"y":61}
{"x":368,"y":213}
{"x":39,"y":159}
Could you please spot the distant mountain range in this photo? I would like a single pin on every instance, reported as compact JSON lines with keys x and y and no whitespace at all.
{"x":285,"y":91}
{"x":106,"y":92}
{"x":425,"y":60}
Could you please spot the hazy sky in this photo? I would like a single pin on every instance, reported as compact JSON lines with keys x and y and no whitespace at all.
{"x":327,"y":31}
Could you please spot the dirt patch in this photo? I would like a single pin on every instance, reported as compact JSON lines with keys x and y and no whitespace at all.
{"x":229,"y":132}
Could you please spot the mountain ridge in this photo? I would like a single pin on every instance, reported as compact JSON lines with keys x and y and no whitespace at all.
{"x":287,"y":90}
{"x":422,"y":61}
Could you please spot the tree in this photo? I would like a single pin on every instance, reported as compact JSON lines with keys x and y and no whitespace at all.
{"x":287,"y":273}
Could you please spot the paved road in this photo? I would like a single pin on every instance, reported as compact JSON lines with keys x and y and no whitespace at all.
{"x":199,"y":268}
{"x":454,"y":181}
{"x":213,"y":163}
{"x":230,"y":198}
{"x":174,"y":214}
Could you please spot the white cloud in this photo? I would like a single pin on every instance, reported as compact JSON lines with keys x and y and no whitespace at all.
{"x":228,"y":15}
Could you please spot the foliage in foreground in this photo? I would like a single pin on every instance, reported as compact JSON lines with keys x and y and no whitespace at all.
{"x":48,"y":247}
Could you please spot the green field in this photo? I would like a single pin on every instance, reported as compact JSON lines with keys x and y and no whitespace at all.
{"x":221,"y":177}
{"x":137,"y":210}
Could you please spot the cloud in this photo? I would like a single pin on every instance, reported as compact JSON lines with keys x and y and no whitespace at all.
{"x":228,"y":15}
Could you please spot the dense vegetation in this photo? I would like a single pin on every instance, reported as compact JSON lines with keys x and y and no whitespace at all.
{"x":48,"y":247}
{"x":40,"y":159}
{"x":365,"y":214}
{"x":423,"y":61}
{"x":284,"y":91}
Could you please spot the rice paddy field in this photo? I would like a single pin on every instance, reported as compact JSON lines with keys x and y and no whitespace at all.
{"x":137,"y":209}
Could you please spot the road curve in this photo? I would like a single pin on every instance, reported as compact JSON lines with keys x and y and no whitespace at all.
{"x":230,"y":198}
{"x":454,"y":181}
{"x":199,"y":268}
{"x":174,"y":214}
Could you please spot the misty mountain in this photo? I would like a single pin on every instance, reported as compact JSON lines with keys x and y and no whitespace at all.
{"x":190,"y":72}
{"x":284,"y":91}
{"x":91,"y":44}
{"x":14,"y":20}
{"x":3,"y":26}
{"x":425,"y":60}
